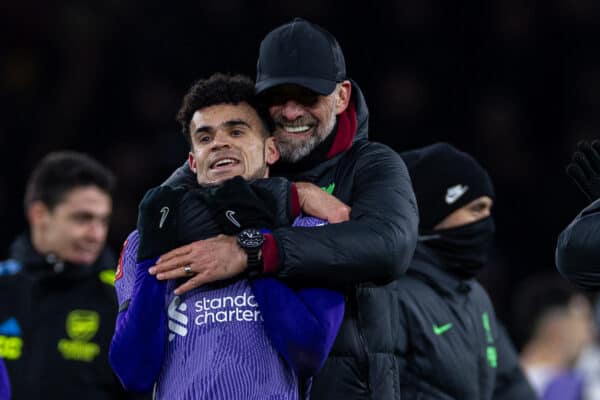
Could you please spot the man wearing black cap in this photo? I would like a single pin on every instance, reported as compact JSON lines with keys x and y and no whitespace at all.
{"x":321,"y":125}
{"x":449,"y":341}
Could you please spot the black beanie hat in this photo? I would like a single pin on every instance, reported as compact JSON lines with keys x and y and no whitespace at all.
{"x":444,"y":179}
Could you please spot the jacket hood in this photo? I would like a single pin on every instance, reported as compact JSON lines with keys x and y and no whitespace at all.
{"x":362,"y":113}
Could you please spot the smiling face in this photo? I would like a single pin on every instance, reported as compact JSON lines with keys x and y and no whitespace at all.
{"x":230,"y":140}
{"x":75,"y":229}
{"x":303,"y":118}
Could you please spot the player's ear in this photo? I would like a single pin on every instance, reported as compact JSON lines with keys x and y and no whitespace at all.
{"x":192,"y":161}
{"x":38,"y":214}
{"x":271,"y":150}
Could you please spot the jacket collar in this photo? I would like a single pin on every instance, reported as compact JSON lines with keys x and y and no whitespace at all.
{"x":426,"y":265}
{"x":47,"y":266}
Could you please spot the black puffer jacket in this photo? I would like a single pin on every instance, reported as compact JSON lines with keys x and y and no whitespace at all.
{"x":448,"y":341}
{"x":358,"y":256}
{"x":578,"y":249}
{"x":56,"y":322}
{"x":375,"y":247}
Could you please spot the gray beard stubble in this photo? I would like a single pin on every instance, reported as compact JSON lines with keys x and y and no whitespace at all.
{"x":292,"y":151}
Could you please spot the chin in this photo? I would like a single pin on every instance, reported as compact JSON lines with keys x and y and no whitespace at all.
{"x":223,"y":178}
{"x":216,"y":182}
{"x":84,"y":259}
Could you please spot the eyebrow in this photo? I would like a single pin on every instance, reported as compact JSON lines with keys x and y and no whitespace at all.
{"x":227,"y":124}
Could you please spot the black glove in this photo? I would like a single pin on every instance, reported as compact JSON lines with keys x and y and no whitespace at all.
{"x":237,"y":206}
{"x":584,"y":168}
{"x":157,"y":221}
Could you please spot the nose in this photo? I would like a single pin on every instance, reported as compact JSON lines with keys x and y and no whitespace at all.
{"x":487,"y":211}
{"x":97,"y":230}
{"x":292,"y":110}
{"x":221,"y":139}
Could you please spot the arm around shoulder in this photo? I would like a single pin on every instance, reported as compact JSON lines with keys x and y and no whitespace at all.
{"x":377,"y":243}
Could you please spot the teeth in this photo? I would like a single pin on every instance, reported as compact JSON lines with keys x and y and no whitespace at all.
{"x":296,"y":129}
{"x":225,"y":161}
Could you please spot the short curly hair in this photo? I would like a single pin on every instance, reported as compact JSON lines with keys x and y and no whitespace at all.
{"x":220,"y":89}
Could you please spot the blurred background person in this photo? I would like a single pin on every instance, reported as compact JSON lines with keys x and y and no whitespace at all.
{"x":553,"y":324}
{"x":588,"y":363}
{"x":57,"y":302}
{"x":449,"y":341}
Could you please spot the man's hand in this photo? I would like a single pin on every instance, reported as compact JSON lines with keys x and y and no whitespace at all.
{"x":318,"y":203}
{"x":584,"y":168}
{"x":210,"y":260}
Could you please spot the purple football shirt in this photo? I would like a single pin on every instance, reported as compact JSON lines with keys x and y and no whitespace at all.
{"x":216,"y":346}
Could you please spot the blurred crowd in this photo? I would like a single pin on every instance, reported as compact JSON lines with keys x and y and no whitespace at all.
{"x":513,"y":83}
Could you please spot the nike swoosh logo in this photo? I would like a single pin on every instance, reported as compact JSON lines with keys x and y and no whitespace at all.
{"x":164,"y":211}
{"x":329,"y":189}
{"x":455,"y":192}
{"x":230,"y":215}
{"x":438,"y":330}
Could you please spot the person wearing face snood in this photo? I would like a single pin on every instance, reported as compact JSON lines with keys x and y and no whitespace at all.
{"x":446,"y":181}
{"x":450,"y":342}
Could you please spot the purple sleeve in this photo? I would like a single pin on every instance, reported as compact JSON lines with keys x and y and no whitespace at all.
{"x":125,"y":275}
{"x":303,"y":324}
{"x":566,"y":386}
{"x":138,"y":344}
{"x":4,"y":383}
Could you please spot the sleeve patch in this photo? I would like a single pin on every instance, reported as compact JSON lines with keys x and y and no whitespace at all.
{"x":9,"y":267}
{"x":119,"y":272}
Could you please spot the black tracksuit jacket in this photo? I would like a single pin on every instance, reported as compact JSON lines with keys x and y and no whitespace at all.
{"x":358,"y":257}
{"x":578,"y":249}
{"x":448,"y":342}
{"x":56,"y":322}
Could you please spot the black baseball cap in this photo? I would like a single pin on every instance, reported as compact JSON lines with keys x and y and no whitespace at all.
{"x":301,"y":53}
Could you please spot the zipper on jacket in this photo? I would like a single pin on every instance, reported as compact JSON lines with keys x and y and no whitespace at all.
{"x":363,"y":361}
